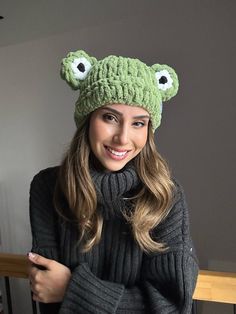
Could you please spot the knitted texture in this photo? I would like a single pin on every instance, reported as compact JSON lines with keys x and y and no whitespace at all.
{"x":117,"y":79}
{"x":113,"y":190}
{"x":116,"y":276}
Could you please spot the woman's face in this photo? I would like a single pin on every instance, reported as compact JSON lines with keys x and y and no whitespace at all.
{"x":117,"y":133}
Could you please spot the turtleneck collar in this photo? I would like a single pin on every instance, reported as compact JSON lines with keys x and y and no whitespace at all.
{"x":113,"y":189}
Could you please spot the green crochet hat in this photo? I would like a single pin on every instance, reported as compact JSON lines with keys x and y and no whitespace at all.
{"x":117,"y":79}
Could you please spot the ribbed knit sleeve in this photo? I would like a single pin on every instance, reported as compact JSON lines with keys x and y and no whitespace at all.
{"x":42,"y":216}
{"x":89,"y":294}
{"x":167,"y":279}
{"x":43,"y":223}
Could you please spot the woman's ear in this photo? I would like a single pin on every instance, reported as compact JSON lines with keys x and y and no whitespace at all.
{"x":167,"y":80}
{"x":76,"y":67}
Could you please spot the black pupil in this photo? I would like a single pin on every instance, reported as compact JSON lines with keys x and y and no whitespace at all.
{"x":163,"y":80}
{"x":81,"y":67}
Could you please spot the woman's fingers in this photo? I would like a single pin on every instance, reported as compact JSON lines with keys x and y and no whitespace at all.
{"x":37,"y":294}
{"x":33,"y":273}
{"x":48,"y":285}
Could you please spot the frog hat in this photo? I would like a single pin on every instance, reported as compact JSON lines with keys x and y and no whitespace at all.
{"x":117,"y":79}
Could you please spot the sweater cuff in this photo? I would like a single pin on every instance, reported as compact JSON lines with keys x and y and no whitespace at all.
{"x":88,"y":294}
{"x":51,"y":253}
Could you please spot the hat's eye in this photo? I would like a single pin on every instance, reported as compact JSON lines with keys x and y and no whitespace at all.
{"x":80,"y":67}
{"x":164,"y":79}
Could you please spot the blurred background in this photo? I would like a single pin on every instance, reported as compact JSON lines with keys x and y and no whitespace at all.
{"x":197,"y":134}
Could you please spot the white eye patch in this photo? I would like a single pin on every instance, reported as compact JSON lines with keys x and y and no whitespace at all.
{"x":80,"y":67}
{"x":164,"y":80}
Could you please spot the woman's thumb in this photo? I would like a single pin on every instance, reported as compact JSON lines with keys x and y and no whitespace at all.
{"x":39,"y":260}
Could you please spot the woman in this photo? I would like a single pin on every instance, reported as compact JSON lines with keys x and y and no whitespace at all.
{"x":110,"y":225}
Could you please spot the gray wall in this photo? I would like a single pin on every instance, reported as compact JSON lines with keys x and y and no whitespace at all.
{"x":197,"y":135}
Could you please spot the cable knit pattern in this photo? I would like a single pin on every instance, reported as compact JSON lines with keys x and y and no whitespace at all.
{"x":116,"y":276}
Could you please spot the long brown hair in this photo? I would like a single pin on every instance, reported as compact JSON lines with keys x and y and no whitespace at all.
{"x":151,"y":204}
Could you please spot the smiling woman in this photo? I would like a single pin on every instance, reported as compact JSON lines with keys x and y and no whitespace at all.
{"x":110,"y":224}
{"x":117,"y":134}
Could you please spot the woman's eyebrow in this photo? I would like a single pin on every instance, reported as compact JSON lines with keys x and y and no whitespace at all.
{"x":121,"y":114}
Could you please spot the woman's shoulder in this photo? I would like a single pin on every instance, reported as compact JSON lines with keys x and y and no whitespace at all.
{"x":178,"y":210}
{"x":174,"y":228}
{"x":47,"y":173}
{"x":46,"y":176}
{"x":178,"y":190}
{"x":179,"y":213}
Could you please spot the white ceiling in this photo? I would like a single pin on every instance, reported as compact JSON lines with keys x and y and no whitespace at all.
{"x":26,"y":20}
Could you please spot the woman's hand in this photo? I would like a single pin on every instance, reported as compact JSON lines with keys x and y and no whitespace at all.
{"x":49,"y":283}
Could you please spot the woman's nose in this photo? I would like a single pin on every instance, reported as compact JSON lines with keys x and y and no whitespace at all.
{"x":122,"y":135}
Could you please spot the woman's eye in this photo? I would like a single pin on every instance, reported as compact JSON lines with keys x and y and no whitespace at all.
{"x":139,"y":124}
{"x":109,"y":117}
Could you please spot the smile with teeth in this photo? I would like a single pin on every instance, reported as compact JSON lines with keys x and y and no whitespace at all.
{"x":117,"y":153}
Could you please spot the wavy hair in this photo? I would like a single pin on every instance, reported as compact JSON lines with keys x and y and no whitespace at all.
{"x":75,"y":185}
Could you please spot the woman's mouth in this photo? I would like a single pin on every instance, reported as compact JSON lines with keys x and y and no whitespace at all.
{"x":117,"y":154}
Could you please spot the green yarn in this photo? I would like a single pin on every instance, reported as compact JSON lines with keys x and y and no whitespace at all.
{"x":117,"y":79}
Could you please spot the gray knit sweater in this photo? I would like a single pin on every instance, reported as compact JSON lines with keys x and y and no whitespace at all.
{"x":116,"y":276}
